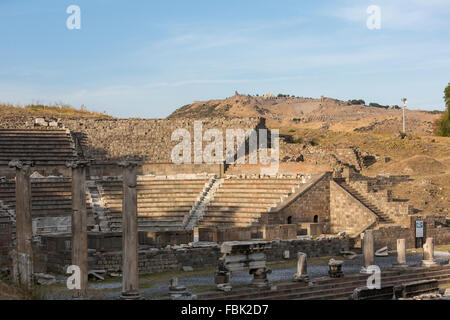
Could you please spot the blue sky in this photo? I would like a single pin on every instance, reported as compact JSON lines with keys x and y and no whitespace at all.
{"x":147,"y":58}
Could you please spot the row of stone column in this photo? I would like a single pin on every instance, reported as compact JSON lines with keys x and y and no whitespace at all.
{"x":23,"y":257}
{"x":369,"y":257}
{"x":369,"y":252}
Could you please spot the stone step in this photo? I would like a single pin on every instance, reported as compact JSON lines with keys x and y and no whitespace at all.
{"x":326,"y":286}
{"x":258,"y":191}
{"x":383,"y":217}
{"x":142,"y":203}
{"x":154,"y":219}
{"x":233,"y":205}
{"x":172,"y":181}
{"x":227,"y":219}
{"x":162,"y":188}
{"x":224,"y":224}
{"x":252,"y":188}
{"x":231,"y":214}
{"x":151,"y":208}
{"x":246,"y":200}
{"x":236,"y":209}
{"x":177,"y":200}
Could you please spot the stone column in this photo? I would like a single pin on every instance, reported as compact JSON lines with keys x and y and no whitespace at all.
{"x":196,"y":234}
{"x":428,"y":253}
{"x":302,"y":268}
{"x":130,"y":271}
{"x":79,"y":225}
{"x":368,"y":251}
{"x":401,"y":254}
{"x":23,"y":258}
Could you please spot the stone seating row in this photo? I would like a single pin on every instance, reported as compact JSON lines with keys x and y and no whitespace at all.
{"x":241,"y":202}
{"x":162,"y":204}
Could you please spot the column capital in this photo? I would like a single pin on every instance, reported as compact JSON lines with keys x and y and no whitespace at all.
{"x":78,"y":164}
{"x":20,"y":164}
{"x":128,"y":163}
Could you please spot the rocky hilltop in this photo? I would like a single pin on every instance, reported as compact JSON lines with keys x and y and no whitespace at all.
{"x":324,"y":113}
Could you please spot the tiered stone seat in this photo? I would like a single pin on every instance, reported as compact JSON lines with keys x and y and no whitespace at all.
{"x":162,"y":204}
{"x":240,"y":202}
{"x":50,"y":200}
{"x":44,"y":147}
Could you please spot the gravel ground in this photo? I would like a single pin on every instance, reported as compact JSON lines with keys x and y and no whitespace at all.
{"x":278,"y":274}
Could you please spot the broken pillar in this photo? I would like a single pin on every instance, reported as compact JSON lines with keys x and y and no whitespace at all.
{"x":23,"y":257}
{"x":79,"y":225}
{"x":130,"y":272}
{"x":335,"y":268}
{"x":368,"y":251}
{"x":302,"y":268}
{"x":260,"y":279}
{"x":428,"y":254}
{"x":177,"y":292}
{"x":382,"y":252}
{"x":243,"y":255}
{"x":401,"y":254}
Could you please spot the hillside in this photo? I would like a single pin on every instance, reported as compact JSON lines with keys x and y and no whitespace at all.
{"x":309,"y":113}
{"x":39,"y":110}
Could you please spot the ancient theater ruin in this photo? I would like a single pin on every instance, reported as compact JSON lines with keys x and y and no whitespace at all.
{"x":320,"y":204}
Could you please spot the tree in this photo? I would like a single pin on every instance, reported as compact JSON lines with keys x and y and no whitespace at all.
{"x":444,"y":123}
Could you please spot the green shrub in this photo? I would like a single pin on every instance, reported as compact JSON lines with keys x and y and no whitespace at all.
{"x":444,"y":122}
{"x":298,"y":140}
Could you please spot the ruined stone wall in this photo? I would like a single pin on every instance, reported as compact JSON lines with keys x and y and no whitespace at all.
{"x":111,"y":168}
{"x":315,"y":201}
{"x":144,"y":139}
{"x":388,"y":235}
{"x":382,"y":198}
{"x":174,"y":258}
{"x":265,"y":232}
{"x":347,"y":214}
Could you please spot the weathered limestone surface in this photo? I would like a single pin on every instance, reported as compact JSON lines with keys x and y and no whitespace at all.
{"x":368,"y":250}
{"x":23,"y":258}
{"x":302,"y":268}
{"x":401,"y":254}
{"x":428,"y":253}
{"x":130,"y":279}
{"x":79,"y":225}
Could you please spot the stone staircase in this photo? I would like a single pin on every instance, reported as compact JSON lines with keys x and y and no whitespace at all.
{"x":96,"y":203}
{"x":241,"y":202}
{"x":198,"y":210}
{"x":163,"y":204}
{"x":383,"y":217}
{"x":328,"y":288}
{"x":43,"y":147}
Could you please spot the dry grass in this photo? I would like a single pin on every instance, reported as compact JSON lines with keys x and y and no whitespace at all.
{"x":40,"y":110}
{"x":12,"y":292}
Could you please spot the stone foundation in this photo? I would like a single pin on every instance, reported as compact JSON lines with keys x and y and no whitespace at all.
{"x":174,"y":258}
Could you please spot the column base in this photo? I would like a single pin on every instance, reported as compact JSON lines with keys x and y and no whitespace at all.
{"x":260,"y":277}
{"x":429,"y":263}
{"x":301,"y":278}
{"x":131,"y":295}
